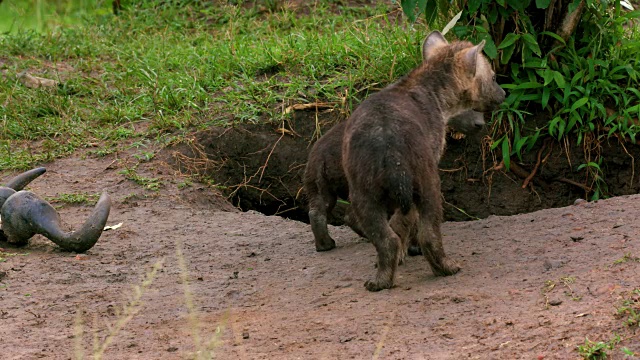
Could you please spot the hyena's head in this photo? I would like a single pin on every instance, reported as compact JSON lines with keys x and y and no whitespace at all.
{"x":469,"y":68}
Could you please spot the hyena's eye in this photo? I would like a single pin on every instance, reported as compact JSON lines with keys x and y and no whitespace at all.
{"x":493,"y":77}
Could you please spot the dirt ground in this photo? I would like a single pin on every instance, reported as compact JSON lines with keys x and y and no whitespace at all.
{"x":533,"y":286}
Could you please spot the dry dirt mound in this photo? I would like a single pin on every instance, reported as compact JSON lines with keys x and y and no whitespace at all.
{"x":532,"y":285}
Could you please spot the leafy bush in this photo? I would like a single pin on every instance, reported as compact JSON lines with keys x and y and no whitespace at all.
{"x":575,"y":61}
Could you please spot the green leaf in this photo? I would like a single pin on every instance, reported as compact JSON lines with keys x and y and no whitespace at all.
{"x":572,"y":122}
{"x":532,"y":44}
{"x":533,"y":141}
{"x":422,"y":4}
{"x":519,"y":144}
{"x":579,"y":103}
{"x":546,"y":94}
{"x":508,"y":40}
{"x":559,"y":79}
{"x":409,"y":7}
{"x":573,"y":6}
{"x":518,"y":4}
{"x":473,"y":5}
{"x":431,"y":11}
{"x":555,"y":36}
{"x":529,"y":85}
{"x":593,"y":165}
{"x":507,"y":53}
{"x":561,"y":127}
{"x":497,"y":142}
{"x":577,"y":77}
{"x":490,"y":48}
{"x":553,"y":124}
{"x":493,"y":15}
{"x":500,"y":2}
{"x":543,"y":4}
{"x":506,"y":154}
{"x":547,"y":75}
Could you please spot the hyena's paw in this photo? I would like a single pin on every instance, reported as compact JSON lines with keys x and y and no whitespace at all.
{"x":377,"y":285}
{"x":402,"y":258}
{"x":447,"y":267}
{"x":325,"y":245}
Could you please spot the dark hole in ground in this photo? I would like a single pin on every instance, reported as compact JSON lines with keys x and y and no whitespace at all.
{"x":260,"y":167}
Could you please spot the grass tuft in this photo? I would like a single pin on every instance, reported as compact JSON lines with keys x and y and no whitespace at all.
{"x":175,"y":68}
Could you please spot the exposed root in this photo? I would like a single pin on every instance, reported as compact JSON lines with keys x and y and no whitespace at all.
{"x":452,"y":170}
{"x":497,"y":167}
{"x":247,"y":186}
{"x":519,"y":171}
{"x":528,"y":179}
{"x":199,"y":163}
{"x":264,"y":167}
{"x":574,"y":183}
{"x":633,"y":160}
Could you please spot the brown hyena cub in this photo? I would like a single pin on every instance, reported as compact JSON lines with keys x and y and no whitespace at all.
{"x":394,"y":140}
{"x":325,"y":181}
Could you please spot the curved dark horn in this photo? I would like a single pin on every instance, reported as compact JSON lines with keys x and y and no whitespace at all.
{"x":5,"y":192}
{"x":25,"y":214}
{"x":19,"y":182}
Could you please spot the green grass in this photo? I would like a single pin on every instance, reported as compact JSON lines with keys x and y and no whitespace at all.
{"x":179,"y":68}
{"x":76,"y":198}
{"x":41,"y":15}
{"x":152,"y":184}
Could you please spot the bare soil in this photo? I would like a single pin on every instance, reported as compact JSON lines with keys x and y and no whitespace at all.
{"x":532,"y":286}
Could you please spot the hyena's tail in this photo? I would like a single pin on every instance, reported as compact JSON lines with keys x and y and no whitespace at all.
{"x":400,"y":184}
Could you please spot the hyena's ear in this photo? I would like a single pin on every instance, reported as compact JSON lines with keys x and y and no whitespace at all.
{"x":472,"y":56}
{"x":433,"y":41}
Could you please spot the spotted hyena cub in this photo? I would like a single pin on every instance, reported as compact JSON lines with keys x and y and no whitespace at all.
{"x":325,"y":181}
{"x":393,"y":142}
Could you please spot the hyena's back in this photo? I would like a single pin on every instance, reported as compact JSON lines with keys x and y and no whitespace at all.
{"x":393,"y":149}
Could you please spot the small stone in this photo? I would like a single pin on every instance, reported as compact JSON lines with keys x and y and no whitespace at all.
{"x":35,"y":82}
{"x":172,"y":349}
{"x":347,"y":339}
{"x":343,"y":285}
{"x":555,"y":302}
{"x":245,"y":334}
{"x":579,"y":201}
{"x":552,"y":264}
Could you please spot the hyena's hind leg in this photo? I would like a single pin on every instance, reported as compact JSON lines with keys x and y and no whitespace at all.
{"x":321,"y":204}
{"x":429,"y":238}
{"x":372,"y":218}
{"x":406,"y":226}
